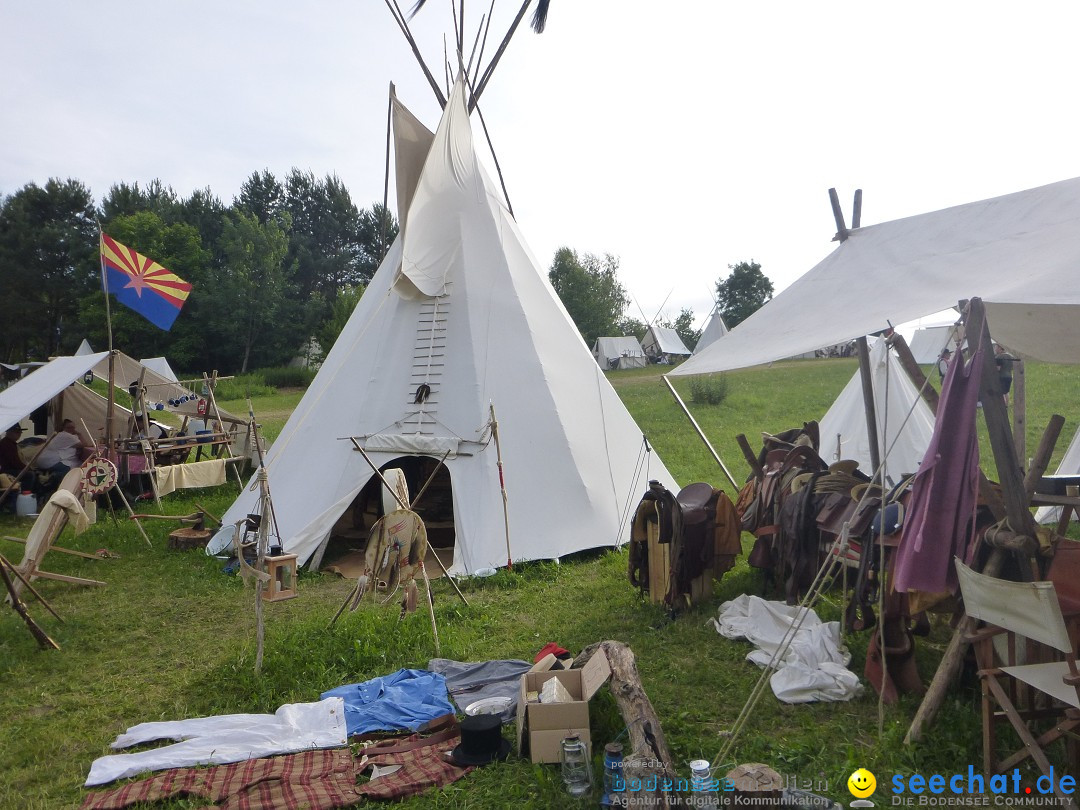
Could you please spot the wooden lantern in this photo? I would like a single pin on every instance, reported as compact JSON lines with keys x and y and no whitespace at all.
{"x":282,"y":571}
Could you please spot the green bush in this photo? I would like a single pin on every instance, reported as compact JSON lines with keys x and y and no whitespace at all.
{"x":243,"y":385}
{"x":288,"y":377}
{"x":710,"y":389}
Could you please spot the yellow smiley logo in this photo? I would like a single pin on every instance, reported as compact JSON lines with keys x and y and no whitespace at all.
{"x":861,"y":783}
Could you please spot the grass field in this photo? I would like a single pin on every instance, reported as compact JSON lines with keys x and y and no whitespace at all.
{"x":172,"y":636}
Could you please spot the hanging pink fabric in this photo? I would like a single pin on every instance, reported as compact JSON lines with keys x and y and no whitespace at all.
{"x":943,"y":498}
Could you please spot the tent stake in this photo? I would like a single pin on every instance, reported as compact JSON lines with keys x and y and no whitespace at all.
{"x":700,"y":432}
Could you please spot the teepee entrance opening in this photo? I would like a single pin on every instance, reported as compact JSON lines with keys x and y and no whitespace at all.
{"x":435,"y":507}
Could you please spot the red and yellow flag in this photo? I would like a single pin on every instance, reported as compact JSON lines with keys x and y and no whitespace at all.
{"x":141,"y":283}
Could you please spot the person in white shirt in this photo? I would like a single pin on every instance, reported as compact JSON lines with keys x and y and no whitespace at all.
{"x":62,"y":453}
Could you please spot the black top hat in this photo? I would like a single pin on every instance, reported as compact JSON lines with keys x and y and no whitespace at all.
{"x":481,"y":741}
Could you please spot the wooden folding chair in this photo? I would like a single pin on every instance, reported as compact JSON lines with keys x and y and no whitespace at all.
{"x":1039,"y":698}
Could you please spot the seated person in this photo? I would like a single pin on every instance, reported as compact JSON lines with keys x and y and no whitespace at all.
{"x":10,"y":460}
{"x":11,"y":465}
{"x":65,"y":451}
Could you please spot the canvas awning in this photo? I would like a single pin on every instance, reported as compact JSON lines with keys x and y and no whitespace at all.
{"x":128,"y":370}
{"x":1020,"y":253}
{"x":19,"y":400}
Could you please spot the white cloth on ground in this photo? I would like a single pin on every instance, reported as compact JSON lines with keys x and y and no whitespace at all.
{"x":226,"y":738}
{"x":814,"y":666}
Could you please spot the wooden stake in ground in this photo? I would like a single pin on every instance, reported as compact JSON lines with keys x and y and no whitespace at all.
{"x":502,"y":482}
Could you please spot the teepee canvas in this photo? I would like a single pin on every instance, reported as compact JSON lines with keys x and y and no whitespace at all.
{"x":663,"y":342}
{"x":460,"y":317}
{"x":714,"y":329}
{"x":904,"y":421}
{"x":928,"y":341}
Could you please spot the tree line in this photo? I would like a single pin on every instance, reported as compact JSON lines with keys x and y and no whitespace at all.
{"x":284,"y":261}
{"x":590,"y":289}
{"x":276,"y":266}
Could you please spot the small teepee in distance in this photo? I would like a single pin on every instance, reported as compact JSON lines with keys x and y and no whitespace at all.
{"x":459,"y":317}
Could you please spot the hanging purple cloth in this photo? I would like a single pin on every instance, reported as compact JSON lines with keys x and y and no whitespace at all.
{"x":945,"y":491}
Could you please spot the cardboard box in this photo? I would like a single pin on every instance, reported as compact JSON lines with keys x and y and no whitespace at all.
{"x":541,"y":727}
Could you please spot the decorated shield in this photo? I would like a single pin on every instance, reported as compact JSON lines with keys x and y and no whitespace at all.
{"x":99,"y":476}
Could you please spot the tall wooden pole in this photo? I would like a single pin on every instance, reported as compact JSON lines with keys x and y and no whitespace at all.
{"x":110,"y":408}
{"x":502,"y":482}
{"x":1019,"y":405}
{"x":866,"y":375}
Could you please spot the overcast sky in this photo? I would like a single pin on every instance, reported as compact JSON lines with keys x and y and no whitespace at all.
{"x":680,"y":137}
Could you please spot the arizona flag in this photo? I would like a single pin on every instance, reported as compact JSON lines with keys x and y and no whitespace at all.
{"x":141,"y":283}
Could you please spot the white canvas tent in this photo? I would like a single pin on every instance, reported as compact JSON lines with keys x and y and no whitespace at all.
{"x":307,"y":356}
{"x":161,"y":367}
{"x":714,"y":329}
{"x":662,"y":342}
{"x":84,"y":348}
{"x":843,"y":429}
{"x":58,"y":382}
{"x":928,"y":341}
{"x":160,"y":390}
{"x":460,"y":316}
{"x":31,"y":392}
{"x":1019,"y":253}
{"x":619,"y":353}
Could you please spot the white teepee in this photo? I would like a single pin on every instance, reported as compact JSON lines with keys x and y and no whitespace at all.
{"x":714,"y":329}
{"x":459,"y":317}
{"x":895,"y":396}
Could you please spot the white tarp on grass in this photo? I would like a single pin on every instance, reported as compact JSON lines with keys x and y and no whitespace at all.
{"x":814,"y":665}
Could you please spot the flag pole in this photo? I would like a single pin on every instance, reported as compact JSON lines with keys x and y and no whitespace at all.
{"x":110,"y":408}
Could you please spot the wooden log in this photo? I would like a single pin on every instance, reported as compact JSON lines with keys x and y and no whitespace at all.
{"x":750,"y":456}
{"x":914,"y":372}
{"x":649,"y":753}
{"x":1041,"y":460}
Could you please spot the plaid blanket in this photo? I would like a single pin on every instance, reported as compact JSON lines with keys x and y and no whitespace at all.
{"x":312,"y":780}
